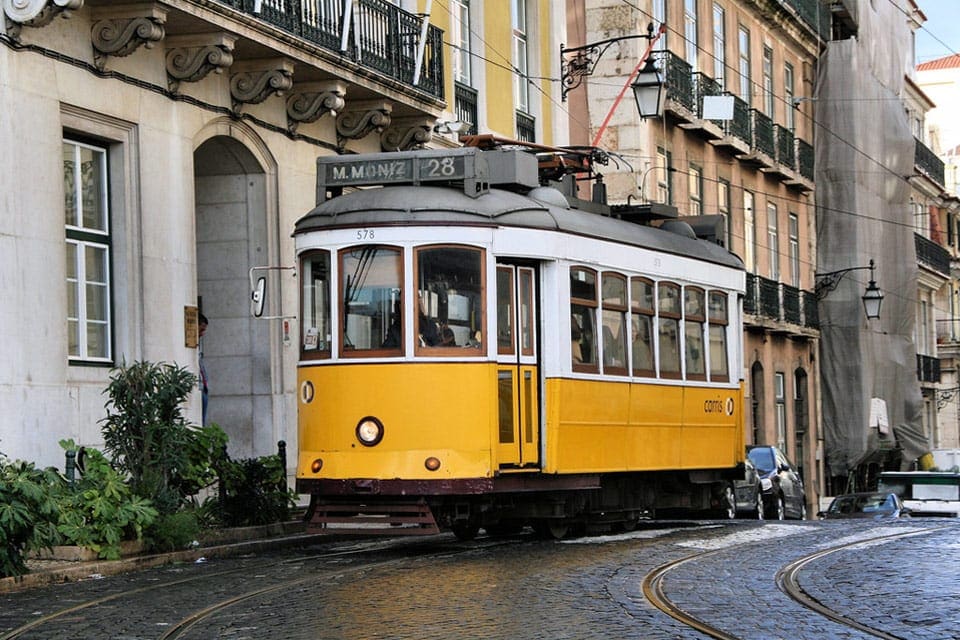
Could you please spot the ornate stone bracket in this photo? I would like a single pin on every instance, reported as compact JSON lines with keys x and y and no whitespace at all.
{"x":35,"y":13}
{"x":404,"y":134}
{"x":192,"y":58}
{"x":312,"y":100}
{"x":363,"y":118}
{"x":254,"y":81}
{"x":121,"y":30}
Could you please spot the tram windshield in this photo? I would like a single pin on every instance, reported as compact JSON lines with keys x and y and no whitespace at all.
{"x":371,"y":282}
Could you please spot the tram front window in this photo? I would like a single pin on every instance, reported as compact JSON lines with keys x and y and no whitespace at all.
{"x":449,"y":283}
{"x":371,"y":282}
{"x":315,"y":328}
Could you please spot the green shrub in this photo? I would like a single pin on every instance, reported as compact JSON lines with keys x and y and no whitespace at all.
{"x":100,"y":511}
{"x":147,"y":437}
{"x":28,"y":513}
{"x":172,"y":532}
{"x":256,"y":492}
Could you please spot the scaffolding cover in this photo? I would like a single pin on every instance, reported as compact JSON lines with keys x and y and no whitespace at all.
{"x":864,"y":151}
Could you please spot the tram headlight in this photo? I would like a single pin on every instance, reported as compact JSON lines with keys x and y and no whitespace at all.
{"x":316,"y":465}
{"x":369,"y":431}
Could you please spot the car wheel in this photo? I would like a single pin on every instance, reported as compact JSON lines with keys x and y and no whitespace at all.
{"x":778,"y":512}
{"x":803,"y":510}
{"x":759,"y":514}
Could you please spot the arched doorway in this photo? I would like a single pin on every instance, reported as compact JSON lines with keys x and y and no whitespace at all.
{"x":232,"y":235}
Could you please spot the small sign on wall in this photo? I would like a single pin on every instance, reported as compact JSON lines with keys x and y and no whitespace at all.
{"x":191,"y":327}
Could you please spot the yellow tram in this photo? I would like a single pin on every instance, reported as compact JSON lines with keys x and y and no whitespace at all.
{"x":479,"y":349}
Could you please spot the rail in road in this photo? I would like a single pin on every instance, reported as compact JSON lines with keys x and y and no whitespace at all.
{"x":787,"y":578}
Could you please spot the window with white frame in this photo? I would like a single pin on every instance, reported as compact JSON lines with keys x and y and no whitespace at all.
{"x":780,"y":397}
{"x":768,"y":81}
{"x":690,"y":31}
{"x":660,"y":17}
{"x":460,"y":37}
{"x":749,"y":233}
{"x":719,"y":45}
{"x":521,"y":90}
{"x":794,"y":250}
{"x":773,"y":240}
{"x":723,"y":208}
{"x":695,"y":184}
{"x":789,"y":92}
{"x":743,"y":53}
{"x":87,"y":222}
{"x":664,"y":184}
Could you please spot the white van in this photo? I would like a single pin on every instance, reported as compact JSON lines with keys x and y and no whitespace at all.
{"x":925,"y":493}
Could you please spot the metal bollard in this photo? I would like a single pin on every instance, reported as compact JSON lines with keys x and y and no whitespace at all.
{"x":70,"y":469}
{"x":282,"y":454}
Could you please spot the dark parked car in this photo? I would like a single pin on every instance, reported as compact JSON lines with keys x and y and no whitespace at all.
{"x":878,"y":505}
{"x":748,"y":493}
{"x":782,"y":485}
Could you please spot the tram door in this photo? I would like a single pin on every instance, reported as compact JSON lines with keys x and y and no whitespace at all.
{"x":517,"y":373}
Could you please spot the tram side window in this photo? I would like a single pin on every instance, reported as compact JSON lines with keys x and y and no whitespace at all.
{"x":613,"y":290}
{"x":315,"y":323}
{"x":583,"y":310}
{"x":450,"y":297}
{"x":371,"y":282}
{"x":641,"y":320}
{"x":719,"y":367}
{"x":693,"y":322}
{"x":668,"y":301}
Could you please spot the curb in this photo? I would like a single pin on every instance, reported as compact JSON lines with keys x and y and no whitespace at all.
{"x":102,"y":568}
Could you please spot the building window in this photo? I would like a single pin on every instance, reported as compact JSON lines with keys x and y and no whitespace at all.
{"x":690,"y":31}
{"x":768,"y":81}
{"x":87,"y":220}
{"x":719,"y":45}
{"x":660,"y":17}
{"x":780,"y":398}
{"x":789,"y":91}
{"x":749,"y":234}
{"x":460,"y":37}
{"x":664,"y":184}
{"x":521,"y":90}
{"x":794,"y":250}
{"x":695,"y":184}
{"x":800,"y":417}
{"x":723,"y":208}
{"x":773,"y":241}
{"x":746,"y":89}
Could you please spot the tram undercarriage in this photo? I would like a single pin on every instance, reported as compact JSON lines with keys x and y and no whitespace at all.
{"x":554,"y":506}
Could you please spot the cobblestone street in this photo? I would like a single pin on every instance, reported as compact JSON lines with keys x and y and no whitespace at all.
{"x":527,"y":588}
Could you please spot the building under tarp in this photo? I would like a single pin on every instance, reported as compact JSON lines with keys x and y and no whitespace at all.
{"x":871,"y":399}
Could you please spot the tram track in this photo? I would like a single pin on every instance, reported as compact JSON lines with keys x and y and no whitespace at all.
{"x":787,"y":579}
{"x":35,"y":628}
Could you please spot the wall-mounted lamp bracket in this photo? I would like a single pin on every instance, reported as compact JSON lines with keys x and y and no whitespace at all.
{"x":578,"y":62}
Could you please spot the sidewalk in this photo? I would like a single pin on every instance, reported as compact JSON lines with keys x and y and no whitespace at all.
{"x":220,"y":544}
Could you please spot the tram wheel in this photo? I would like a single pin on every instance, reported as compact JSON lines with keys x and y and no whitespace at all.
{"x":552,"y":528}
{"x":465,"y":531}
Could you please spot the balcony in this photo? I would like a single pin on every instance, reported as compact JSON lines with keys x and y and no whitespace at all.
{"x":780,"y":308}
{"x":465,"y":106}
{"x":928,"y":164}
{"x":928,"y":368}
{"x":738,"y":132}
{"x":526,"y":127}
{"x":932,"y":255}
{"x":678,"y":74}
{"x":383,"y":38}
{"x":763,"y":150}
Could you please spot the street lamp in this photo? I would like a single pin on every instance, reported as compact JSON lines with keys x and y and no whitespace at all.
{"x":578,"y":62}
{"x":648,"y":91}
{"x":872,"y":297}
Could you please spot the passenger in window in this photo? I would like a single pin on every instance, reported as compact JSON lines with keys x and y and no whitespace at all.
{"x":447,"y":338}
{"x":429,"y":333}
{"x":575,"y":337}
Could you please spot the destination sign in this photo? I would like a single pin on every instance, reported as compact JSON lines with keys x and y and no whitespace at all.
{"x":393,"y":170}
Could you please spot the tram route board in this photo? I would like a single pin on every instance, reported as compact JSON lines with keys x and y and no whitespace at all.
{"x":466,"y":165}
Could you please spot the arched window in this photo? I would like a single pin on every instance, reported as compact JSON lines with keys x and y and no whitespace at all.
{"x":613,"y":323}
{"x":718,"y":321}
{"x":668,"y":331}
{"x":694,"y":319}
{"x":642,"y":312}
{"x":583,"y":323}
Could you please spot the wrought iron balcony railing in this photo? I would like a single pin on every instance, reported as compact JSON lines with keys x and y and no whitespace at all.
{"x":927,"y":162}
{"x":526,"y":127}
{"x":382,"y":36}
{"x":465,"y":106}
{"x":805,"y":161}
{"x":763,"y":133}
{"x":679,"y":78}
{"x":786,"y":147}
{"x":932,"y":255}
{"x":780,"y":302}
{"x":928,"y":368}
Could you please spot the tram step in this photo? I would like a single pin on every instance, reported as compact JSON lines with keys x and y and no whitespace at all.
{"x":329,"y":518}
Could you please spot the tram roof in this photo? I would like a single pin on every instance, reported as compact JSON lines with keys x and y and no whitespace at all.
{"x":541,"y":209}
